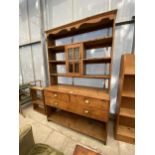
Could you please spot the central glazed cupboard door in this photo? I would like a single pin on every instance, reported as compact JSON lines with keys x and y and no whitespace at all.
{"x":74,"y":59}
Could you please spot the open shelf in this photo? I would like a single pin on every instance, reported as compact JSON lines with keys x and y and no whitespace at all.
{"x":57,"y":61}
{"x":79,"y":123}
{"x":127,"y":112}
{"x":95,"y":43}
{"x":98,"y":43}
{"x":97,"y":60}
{"x":126,"y":134}
{"x":81,"y":76}
{"x":130,"y":94}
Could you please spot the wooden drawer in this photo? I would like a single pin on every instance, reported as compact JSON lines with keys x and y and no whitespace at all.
{"x":92,"y":108}
{"x":56,"y":103}
{"x":55,"y":95}
{"x":87,"y":102}
{"x":97,"y":114}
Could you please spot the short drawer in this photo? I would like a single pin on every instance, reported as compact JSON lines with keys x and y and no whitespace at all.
{"x":56,"y":103}
{"x":55,"y":95}
{"x":87,"y":102}
{"x":96,"y":114}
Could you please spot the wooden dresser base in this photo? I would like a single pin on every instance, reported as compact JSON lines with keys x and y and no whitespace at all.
{"x":93,"y":128}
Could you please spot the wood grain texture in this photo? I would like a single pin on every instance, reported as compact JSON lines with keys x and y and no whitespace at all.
{"x":79,"y":123}
{"x":80,"y":90}
{"x":126,"y":134}
{"x":125,"y":109}
{"x":85,"y":109}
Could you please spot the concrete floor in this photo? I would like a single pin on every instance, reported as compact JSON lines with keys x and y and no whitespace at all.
{"x":65,"y":139}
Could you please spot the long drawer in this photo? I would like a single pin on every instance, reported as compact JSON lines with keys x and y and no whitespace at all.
{"x":88,"y":102}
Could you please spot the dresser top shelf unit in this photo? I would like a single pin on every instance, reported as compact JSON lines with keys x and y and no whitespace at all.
{"x":79,"y":90}
{"x":90,"y":24}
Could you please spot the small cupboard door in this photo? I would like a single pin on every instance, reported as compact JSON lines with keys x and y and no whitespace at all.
{"x":74,"y":59}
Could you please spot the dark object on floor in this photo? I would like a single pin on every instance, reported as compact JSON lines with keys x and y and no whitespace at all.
{"x":80,"y":150}
{"x":27,"y":145}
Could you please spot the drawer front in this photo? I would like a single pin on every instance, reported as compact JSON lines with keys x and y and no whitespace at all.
{"x":96,"y":110}
{"x":88,"y":102}
{"x":55,"y":95}
{"x":56,"y":103}
{"x":96,"y":114}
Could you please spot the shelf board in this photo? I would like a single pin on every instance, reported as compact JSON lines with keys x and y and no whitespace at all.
{"x":127,"y":112}
{"x":130,"y":94}
{"x":81,"y":76}
{"x":126,"y":134}
{"x":60,"y":48}
{"x":98,"y":60}
{"x":38,"y":102}
{"x":57,"y":61}
{"x":79,"y":123}
{"x":97,"y":76}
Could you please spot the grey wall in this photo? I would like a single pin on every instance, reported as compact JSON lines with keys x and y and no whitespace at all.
{"x":36,"y":16}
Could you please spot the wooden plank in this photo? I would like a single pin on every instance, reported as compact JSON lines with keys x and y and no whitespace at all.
{"x":129,"y":64}
{"x":97,"y":60}
{"x":127,"y":112}
{"x":128,"y":94}
{"x":57,"y":48}
{"x":79,"y":123}
{"x":81,"y":76}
